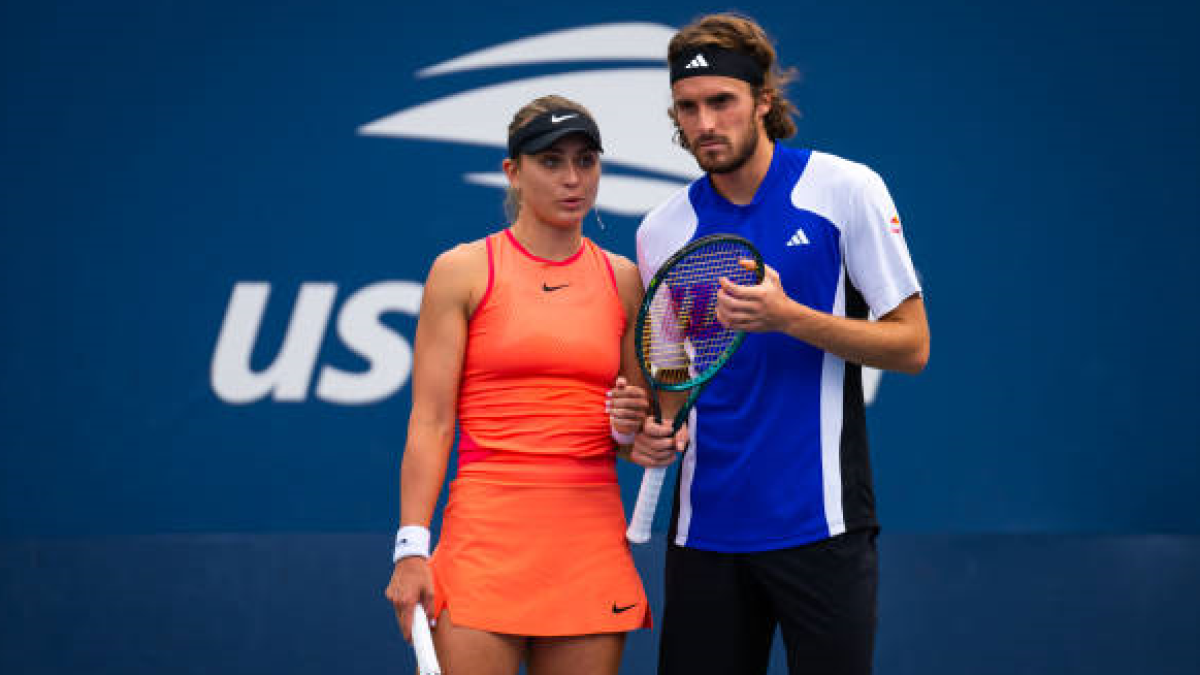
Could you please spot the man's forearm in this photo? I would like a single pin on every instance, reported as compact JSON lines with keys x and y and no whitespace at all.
{"x":898,"y":341}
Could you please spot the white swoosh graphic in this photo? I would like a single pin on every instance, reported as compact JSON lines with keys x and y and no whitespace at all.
{"x":629,"y":104}
{"x":622,"y":195}
{"x":605,"y":42}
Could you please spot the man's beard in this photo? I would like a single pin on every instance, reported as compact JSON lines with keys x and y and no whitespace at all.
{"x":734,"y":162}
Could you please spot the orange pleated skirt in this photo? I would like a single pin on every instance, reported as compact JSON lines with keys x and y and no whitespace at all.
{"x":546,"y":557}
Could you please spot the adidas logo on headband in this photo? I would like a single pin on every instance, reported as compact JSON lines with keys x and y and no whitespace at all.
{"x":715,"y":60}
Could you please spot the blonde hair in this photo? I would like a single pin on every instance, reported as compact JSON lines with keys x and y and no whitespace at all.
{"x":741,"y":33}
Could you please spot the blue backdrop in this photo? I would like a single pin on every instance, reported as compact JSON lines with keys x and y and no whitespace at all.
{"x":216,"y":219}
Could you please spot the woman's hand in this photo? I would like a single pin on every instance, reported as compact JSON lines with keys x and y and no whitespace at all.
{"x":412,"y":582}
{"x":626,"y":406}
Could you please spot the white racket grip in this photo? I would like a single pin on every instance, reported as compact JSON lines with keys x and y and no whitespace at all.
{"x":647,"y":502}
{"x":422,"y":640}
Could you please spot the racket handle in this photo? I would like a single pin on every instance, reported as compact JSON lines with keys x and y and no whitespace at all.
{"x":647,"y":502}
{"x":422,"y":640}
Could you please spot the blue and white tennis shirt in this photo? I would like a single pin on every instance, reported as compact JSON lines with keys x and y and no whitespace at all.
{"x":779,"y":451}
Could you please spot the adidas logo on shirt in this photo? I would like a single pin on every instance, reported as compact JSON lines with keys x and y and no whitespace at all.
{"x":698,"y":62}
{"x":799,"y":238}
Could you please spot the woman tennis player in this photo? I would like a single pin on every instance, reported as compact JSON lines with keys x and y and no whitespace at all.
{"x":520,"y":338}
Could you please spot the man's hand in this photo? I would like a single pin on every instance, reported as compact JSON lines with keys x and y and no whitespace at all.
{"x":656,"y":446}
{"x":756,"y":309}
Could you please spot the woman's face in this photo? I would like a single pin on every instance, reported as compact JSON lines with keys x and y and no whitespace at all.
{"x":558,"y":185}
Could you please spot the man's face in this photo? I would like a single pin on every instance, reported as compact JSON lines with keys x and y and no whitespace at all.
{"x":720,"y":120}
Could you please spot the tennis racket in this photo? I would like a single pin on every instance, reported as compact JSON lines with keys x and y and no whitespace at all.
{"x":680,"y":343}
{"x":422,"y":640}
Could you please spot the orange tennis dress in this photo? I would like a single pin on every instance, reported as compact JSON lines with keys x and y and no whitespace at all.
{"x":533,"y":535}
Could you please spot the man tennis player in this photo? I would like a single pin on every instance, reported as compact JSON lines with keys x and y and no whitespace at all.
{"x":774,"y":520}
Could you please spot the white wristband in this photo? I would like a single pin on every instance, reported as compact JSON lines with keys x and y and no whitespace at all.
{"x":622,"y":438}
{"x":411,"y":540}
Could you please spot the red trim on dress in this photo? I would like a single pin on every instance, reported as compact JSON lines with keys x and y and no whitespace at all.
{"x":611,"y":274}
{"x":616,"y":289}
{"x":468,"y":450}
{"x":527,"y":254}
{"x":491,"y":276}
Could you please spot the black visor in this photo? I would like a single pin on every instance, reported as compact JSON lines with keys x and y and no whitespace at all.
{"x":544,"y":130}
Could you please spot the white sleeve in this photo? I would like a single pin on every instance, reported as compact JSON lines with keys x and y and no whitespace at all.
{"x":646,"y":268}
{"x":875,"y":252}
{"x":663,"y":231}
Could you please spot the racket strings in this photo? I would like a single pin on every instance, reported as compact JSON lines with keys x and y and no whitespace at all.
{"x":683,"y":338}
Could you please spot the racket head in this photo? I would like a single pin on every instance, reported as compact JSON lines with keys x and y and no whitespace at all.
{"x":679,"y":342}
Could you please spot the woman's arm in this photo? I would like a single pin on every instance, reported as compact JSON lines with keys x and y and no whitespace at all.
{"x":438,"y":352}
{"x":628,"y":402}
{"x":451,"y":292}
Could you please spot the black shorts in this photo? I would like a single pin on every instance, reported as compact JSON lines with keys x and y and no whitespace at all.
{"x":722,"y":609}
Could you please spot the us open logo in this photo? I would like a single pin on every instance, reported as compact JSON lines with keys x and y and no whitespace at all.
{"x":643,"y":168}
